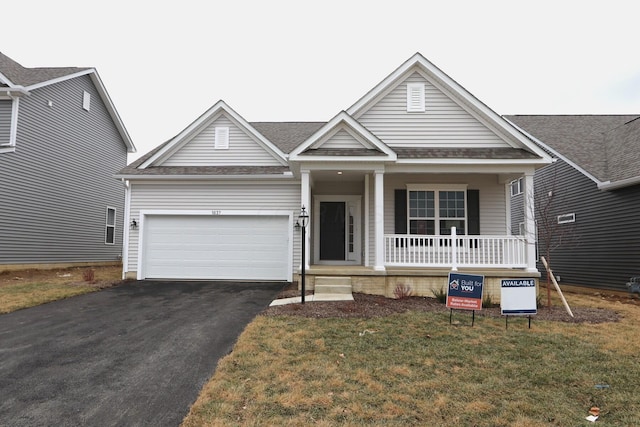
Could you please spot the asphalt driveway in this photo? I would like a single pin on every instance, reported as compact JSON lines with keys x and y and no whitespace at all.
{"x":136,"y":354}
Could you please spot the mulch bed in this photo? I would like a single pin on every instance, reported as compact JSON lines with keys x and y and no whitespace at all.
{"x":370,"y":306}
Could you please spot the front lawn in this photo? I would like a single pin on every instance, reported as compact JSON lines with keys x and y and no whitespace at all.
{"x":28,"y":288}
{"x":415,"y":368}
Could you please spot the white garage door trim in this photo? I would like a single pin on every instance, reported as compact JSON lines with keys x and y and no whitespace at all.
{"x":145,"y":214}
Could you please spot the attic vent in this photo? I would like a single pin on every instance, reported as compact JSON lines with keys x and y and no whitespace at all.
{"x":415,"y":97}
{"x":86,"y":100}
{"x":222,"y":138}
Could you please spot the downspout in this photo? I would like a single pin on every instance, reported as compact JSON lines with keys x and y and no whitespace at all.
{"x":125,"y":228}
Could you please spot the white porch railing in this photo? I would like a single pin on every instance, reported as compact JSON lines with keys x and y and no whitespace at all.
{"x":410,"y":250}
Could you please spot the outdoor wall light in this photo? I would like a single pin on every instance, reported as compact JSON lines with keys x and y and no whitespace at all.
{"x":133,"y":225}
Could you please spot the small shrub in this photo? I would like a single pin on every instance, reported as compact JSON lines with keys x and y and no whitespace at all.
{"x":440,"y":294}
{"x":89,"y":275}
{"x":403,"y":291}
{"x":487,"y":301}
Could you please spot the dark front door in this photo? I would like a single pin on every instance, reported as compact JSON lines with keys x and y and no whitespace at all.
{"x":332,"y":231}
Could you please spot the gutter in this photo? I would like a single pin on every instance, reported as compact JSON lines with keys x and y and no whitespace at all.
{"x":608,"y":185}
{"x":14,"y":91}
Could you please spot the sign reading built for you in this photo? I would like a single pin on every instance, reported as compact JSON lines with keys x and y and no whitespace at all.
{"x":518,"y":297}
{"x":465,"y":291}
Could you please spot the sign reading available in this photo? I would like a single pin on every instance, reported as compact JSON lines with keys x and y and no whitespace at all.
{"x":465,"y":291}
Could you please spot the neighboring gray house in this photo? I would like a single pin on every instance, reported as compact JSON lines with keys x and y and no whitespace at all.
{"x":61,"y":141}
{"x":595,"y":189}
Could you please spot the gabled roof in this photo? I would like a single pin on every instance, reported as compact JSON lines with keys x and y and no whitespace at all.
{"x":19,"y":80}
{"x":371,"y":145}
{"x":14,"y":74}
{"x":605,"y":148}
{"x":202,"y":122}
{"x":457,"y":93}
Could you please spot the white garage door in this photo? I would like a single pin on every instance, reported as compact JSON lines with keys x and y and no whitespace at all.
{"x":216,"y":247}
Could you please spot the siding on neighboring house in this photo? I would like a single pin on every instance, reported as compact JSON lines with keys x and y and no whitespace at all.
{"x":241,"y":195}
{"x":59,"y":182}
{"x":5,"y":121}
{"x":243,"y":150}
{"x":602,"y":247}
{"x":443,"y":124}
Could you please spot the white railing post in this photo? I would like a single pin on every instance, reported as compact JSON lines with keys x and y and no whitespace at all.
{"x":454,"y":250}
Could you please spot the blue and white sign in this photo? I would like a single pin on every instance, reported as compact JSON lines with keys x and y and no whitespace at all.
{"x":518,"y":297}
{"x":465,"y":291}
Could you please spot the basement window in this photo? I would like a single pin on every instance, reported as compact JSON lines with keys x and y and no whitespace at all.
{"x":566,"y":218}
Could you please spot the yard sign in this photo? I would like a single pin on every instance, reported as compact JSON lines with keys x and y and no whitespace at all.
{"x":465,"y":291}
{"x":518,"y":297}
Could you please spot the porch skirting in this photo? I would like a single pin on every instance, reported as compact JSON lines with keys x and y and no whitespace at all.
{"x":423,"y":282}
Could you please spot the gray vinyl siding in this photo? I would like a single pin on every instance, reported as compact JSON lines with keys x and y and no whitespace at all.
{"x":243,"y":149}
{"x":241,"y":195}
{"x":5,"y":121}
{"x":59,"y":181}
{"x":517,"y":212}
{"x":443,"y":124}
{"x":342,"y":139}
{"x":603,"y":249}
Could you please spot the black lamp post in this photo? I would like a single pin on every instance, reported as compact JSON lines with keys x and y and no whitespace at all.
{"x":303,"y":221}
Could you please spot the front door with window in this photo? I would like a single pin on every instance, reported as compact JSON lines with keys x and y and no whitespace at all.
{"x":337,"y":230}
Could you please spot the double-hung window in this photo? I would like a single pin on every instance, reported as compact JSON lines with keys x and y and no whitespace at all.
{"x":110,"y":227}
{"x":433,"y":211}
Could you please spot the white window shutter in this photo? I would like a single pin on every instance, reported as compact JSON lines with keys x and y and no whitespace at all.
{"x":222,"y":138}
{"x":415,"y":97}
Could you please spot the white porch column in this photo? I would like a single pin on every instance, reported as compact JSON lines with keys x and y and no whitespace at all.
{"x":367,"y":197}
{"x":379,"y":220}
{"x":529,"y":222}
{"x":305,"y":200}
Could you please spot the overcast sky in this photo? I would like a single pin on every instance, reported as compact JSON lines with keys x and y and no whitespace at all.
{"x":166,"y":62}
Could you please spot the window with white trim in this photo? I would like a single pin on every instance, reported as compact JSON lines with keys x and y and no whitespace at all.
{"x":516,"y":187}
{"x":415,"y":98}
{"x":566,"y":218}
{"x":435,"y":211}
{"x":222,"y":138}
{"x":110,"y":227}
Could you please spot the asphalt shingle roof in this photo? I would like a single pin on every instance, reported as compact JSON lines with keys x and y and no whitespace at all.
{"x":606,"y":146}
{"x":23,"y":76}
{"x":287,"y":135}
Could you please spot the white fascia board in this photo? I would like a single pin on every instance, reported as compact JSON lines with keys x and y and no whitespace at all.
{"x":473,"y":162}
{"x":5,"y":80}
{"x":212,"y":113}
{"x":61,"y":79}
{"x":608,"y":185}
{"x":13,"y":92}
{"x":558,"y":155}
{"x":270,"y":177}
{"x":106,"y":99}
{"x":344,"y":159}
{"x":351,"y":123}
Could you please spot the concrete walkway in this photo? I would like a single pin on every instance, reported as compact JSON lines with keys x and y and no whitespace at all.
{"x":314,"y":297}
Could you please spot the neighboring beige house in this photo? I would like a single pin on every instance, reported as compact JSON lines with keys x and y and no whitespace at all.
{"x":384,"y":182}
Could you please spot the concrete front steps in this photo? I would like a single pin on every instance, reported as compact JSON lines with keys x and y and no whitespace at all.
{"x":326,"y":289}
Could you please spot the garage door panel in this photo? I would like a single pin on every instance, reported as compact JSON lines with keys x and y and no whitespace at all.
{"x":219,"y":247}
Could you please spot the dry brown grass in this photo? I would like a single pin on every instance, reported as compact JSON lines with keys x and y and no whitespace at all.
{"x":27,"y":288}
{"x":416,"y":369}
